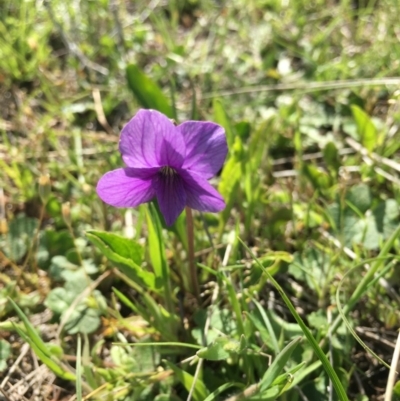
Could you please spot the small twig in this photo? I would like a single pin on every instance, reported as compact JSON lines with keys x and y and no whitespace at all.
{"x":98,"y":108}
{"x":205,"y":251}
{"x":149,"y":9}
{"x":374,"y":156}
{"x":306,"y":86}
{"x":285,"y":173}
{"x":310,"y":156}
{"x":393,"y":370}
{"x":246,"y":394}
{"x":34,"y":374}
{"x":5,"y":395}
{"x":371,"y":158}
{"x":378,"y":338}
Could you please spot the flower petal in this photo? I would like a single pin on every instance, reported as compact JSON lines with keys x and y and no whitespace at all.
{"x":171,"y":196}
{"x":200,"y":195}
{"x":206,"y":147}
{"x":151,"y":140}
{"x":127,"y":187}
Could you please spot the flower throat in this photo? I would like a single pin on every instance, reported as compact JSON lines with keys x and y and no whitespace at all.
{"x":167,"y":171}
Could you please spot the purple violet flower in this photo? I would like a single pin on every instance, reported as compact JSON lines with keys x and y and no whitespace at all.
{"x":167,"y":162}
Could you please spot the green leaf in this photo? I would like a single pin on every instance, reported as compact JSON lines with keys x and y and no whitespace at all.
{"x":126,"y":254}
{"x":278,"y":364}
{"x":221,"y":348}
{"x":57,"y":300}
{"x":396,"y":388}
{"x":59,"y":265}
{"x":83,"y":320}
{"x":221,"y":118}
{"x":200,"y":392}
{"x":119,"y":245}
{"x":5,"y":352}
{"x":147,"y":92}
{"x":20,"y":234}
{"x":386,"y":215}
{"x":360,"y":197}
{"x":365,"y":128}
{"x":319,"y":179}
{"x":331,"y":157}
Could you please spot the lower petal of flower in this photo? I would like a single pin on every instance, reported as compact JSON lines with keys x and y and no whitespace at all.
{"x":171,"y":194}
{"x":200,"y":195}
{"x":127,"y":187}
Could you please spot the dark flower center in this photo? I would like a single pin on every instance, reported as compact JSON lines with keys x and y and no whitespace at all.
{"x":167,"y":171}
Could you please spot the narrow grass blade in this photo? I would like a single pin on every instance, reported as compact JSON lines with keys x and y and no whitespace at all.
{"x":79,"y":369}
{"x":200,"y":392}
{"x":221,"y":389}
{"x":340,"y":391}
{"x":39,"y":347}
{"x":147,"y":92}
{"x":278,"y":364}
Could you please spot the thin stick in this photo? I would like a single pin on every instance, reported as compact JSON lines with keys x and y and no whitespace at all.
{"x":306,"y":86}
{"x":393,"y":372}
{"x":192,"y":264}
{"x":5,"y":395}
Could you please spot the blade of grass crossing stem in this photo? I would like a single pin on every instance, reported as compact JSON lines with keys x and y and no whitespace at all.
{"x":340,"y":391}
{"x":79,"y":369}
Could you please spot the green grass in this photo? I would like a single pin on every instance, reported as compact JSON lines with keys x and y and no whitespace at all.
{"x":105,"y":297}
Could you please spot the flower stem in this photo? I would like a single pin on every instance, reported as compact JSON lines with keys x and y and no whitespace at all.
{"x":192,"y":265}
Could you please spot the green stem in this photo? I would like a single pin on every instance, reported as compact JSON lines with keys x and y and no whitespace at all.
{"x":192,"y":264}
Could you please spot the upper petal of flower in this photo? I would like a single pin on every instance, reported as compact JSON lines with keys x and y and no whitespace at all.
{"x":171,"y":196}
{"x":127,"y":187}
{"x":206,"y":147}
{"x":151,"y":140}
{"x":200,"y":195}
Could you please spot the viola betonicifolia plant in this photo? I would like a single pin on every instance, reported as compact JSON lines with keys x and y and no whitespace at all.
{"x":170,"y":163}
